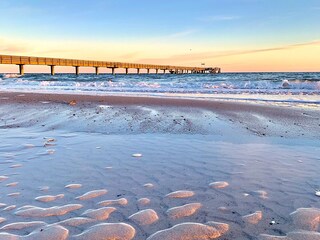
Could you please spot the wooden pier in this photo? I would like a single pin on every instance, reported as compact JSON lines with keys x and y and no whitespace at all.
{"x":21,"y":61}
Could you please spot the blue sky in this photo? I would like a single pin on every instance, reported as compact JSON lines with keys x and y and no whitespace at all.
{"x":224,"y":24}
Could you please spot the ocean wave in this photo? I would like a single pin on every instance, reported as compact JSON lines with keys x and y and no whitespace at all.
{"x":252,"y":83}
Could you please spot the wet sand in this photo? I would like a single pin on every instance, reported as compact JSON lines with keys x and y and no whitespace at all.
{"x":156,"y":168}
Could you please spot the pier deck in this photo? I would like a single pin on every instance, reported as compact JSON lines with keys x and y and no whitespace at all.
{"x":53,"y":62}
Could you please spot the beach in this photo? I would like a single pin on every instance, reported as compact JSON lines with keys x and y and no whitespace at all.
{"x":103,"y":166}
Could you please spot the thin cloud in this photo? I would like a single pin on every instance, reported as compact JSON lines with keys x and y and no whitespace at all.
{"x":209,"y":55}
{"x":6,"y":47}
{"x":181,"y":34}
{"x":218,"y":18}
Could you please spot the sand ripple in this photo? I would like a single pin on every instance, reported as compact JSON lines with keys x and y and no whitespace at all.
{"x":3,"y":178}
{"x":72,"y":186}
{"x":144,"y":201}
{"x":99,"y":214}
{"x":2,"y":219}
{"x":253,"y":218}
{"x":121,"y":201}
{"x":145,"y":217}
{"x":180,"y":194}
{"x":191,"y":231}
{"x":92,"y":194}
{"x":183,"y":211}
{"x":218,"y":184}
{"x":77,"y":221}
{"x":108,"y":231}
{"x":306,"y":218}
{"x":148,"y":185}
{"x":32,"y":211}
{"x":13,"y":184}
{"x":299,"y":235}
{"x":49,"y":198}
{"x":9,"y":208}
{"x":52,"y":232}
{"x":22,"y":225}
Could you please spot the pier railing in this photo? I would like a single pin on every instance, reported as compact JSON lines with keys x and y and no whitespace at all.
{"x":52,"y":62}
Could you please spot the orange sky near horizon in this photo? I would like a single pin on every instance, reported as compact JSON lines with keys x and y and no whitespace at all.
{"x":302,"y":57}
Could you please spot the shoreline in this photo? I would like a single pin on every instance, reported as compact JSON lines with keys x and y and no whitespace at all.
{"x":259,"y":119}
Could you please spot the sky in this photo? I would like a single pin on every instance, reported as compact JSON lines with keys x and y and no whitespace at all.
{"x":236,"y":35}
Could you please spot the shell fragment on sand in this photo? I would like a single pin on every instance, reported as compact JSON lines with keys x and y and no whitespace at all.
{"x":137,"y":155}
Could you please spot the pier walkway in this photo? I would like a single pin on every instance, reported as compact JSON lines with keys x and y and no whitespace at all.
{"x":21,"y":61}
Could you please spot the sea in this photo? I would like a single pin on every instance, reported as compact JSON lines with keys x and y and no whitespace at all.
{"x":292,"y":88}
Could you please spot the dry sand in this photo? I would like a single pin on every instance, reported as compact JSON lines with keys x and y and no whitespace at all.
{"x":156,"y":168}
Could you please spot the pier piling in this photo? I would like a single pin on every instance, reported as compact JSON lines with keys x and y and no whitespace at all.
{"x":52,"y":70}
{"x":21,"y":69}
